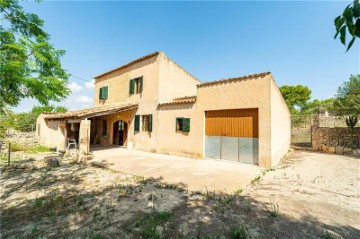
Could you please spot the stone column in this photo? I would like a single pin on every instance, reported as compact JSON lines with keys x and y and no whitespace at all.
{"x":62,"y":141}
{"x":84,"y":137}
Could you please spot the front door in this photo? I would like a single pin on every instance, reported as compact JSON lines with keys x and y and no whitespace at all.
{"x":120,"y":132}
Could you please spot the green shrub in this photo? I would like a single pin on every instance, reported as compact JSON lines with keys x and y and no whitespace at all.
{"x":240,"y":232}
{"x":14,"y":147}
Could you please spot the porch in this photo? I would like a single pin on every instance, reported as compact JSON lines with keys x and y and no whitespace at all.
{"x":195,"y":174}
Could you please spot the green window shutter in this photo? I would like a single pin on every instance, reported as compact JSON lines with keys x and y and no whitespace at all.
{"x":180,"y":122}
{"x":105,"y":92}
{"x":186,"y":125}
{"x":132,"y":87}
{"x":150,"y":123}
{"x":137,"y":123}
{"x":100,"y":93}
{"x":141,"y":84}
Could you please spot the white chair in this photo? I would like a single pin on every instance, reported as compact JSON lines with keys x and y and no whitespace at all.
{"x":71,"y":142}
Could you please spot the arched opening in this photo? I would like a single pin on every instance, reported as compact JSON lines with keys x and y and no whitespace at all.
{"x":120,"y":132}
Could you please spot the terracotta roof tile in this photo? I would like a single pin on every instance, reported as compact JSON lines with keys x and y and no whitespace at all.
{"x":247,"y":77}
{"x":90,"y":112}
{"x":180,"y":100}
{"x":129,"y":64}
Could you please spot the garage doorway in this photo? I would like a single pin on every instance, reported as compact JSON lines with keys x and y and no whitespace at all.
{"x":120,"y":132}
{"x":232,"y":135}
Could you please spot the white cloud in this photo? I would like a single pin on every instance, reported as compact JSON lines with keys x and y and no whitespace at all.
{"x":74,"y":87}
{"x":82,"y":99}
{"x":90,"y":85}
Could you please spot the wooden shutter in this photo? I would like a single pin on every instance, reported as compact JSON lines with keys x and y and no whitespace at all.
{"x":132,"y":87}
{"x":186,"y":124}
{"x":150,"y":123}
{"x":137,"y":123}
{"x":105,"y":92}
{"x":100,"y":93}
{"x":141,"y":84}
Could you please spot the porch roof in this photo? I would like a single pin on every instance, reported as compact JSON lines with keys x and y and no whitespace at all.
{"x":90,"y":112}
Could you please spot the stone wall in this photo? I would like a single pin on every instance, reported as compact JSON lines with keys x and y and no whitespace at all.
{"x":335,"y":139}
{"x":333,"y":121}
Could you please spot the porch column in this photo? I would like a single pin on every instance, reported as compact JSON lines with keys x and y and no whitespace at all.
{"x":84,"y":137}
{"x":62,"y":140}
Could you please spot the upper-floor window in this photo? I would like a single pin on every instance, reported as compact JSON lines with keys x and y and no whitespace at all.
{"x":136,"y":85}
{"x":103,"y":92}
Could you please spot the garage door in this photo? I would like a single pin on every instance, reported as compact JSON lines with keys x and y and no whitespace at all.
{"x":232,"y":135}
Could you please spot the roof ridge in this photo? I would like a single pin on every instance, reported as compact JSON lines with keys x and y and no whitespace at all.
{"x":129,"y":64}
{"x":252,"y":76}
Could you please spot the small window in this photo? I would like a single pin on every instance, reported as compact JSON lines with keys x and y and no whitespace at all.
{"x":136,"y":85}
{"x":182,"y":124}
{"x":104,"y":127}
{"x":103,"y":92}
{"x":143,"y":123}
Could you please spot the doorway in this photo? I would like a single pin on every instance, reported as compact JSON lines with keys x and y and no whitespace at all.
{"x":120,"y":132}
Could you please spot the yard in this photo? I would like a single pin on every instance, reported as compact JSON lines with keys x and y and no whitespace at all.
{"x":310,"y":195}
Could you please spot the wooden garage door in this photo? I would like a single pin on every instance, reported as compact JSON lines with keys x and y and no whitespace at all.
{"x":232,"y":135}
{"x":232,"y":123}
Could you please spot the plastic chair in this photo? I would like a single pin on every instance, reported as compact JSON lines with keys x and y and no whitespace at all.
{"x":71,"y":142}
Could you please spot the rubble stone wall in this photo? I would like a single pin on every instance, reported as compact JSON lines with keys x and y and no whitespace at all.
{"x":335,"y":139}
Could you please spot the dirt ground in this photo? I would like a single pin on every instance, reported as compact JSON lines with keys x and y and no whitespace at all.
{"x":309,"y":195}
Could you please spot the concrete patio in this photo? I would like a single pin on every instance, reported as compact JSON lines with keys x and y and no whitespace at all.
{"x":196,"y":174}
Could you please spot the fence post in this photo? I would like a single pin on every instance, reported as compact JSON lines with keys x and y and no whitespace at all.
{"x":9,"y":154}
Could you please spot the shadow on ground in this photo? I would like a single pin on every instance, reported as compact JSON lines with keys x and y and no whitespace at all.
{"x":63,"y":203}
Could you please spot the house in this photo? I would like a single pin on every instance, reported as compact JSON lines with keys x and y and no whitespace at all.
{"x":153,"y":104}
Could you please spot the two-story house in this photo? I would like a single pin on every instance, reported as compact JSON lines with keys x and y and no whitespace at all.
{"x":153,"y":104}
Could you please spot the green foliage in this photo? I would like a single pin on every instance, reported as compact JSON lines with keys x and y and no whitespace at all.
{"x":347,"y":100}
{"x":319,"y":106}
{"x":25,"y":122}
{"x":6,"y":122}
{"x":240,"y":232}
{"x":348,"y":21}
{"x":351,"y":121}
{"x":296,"y":97}
{"x":14,"y":147}
{"x":30,"y":66}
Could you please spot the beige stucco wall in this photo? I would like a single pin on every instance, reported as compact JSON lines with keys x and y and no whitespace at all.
{"x":280,"y":125}
{"x":174,"y":81}
{"x":172,"y":142}
{"x":163,"y":80}
{"x":51,"y":133}
{"x":118,"y":83}
{"x":251,"y":93}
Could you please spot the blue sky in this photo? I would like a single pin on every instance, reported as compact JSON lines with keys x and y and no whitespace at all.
{"x":211,"y":40}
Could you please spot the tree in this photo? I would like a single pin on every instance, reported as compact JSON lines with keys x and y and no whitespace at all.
{"x":296,"y":97}
{"x":30,"y":66}
{"x":347,"y":100}
{"x":348,"y":21}
{"x":27,"y":121}
{"x":319,"y":106}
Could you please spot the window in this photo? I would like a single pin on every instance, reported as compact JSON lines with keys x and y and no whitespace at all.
{"x":103,"y":93}
{"x":143,"y":123}
{"x":182,"y":124}
{"x":104,"y":127}
{"x":136,"y":85}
